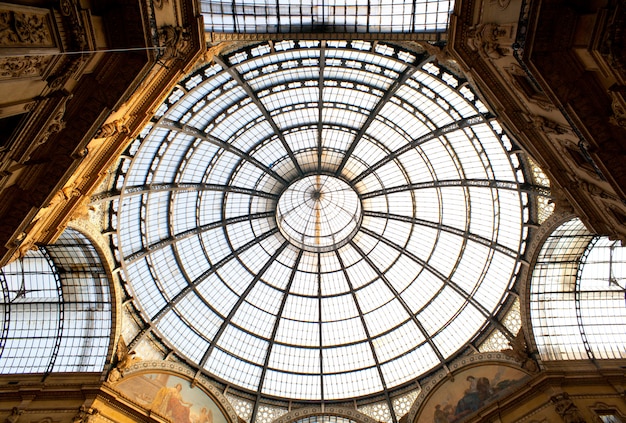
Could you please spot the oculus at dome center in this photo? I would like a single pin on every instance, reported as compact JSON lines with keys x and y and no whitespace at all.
{"x":318,"y":213}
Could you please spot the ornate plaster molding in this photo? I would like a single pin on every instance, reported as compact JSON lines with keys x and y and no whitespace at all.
{"x":24,"y":67}
{"x":22,"y":26}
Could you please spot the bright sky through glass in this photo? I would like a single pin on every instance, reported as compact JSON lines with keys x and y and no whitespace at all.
{"x":411,"y":218}
{"x":284,"y":16}
{"x":318,"y":213}
{"x":578,"y":304}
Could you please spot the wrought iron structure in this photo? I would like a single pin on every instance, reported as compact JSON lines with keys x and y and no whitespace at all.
{"x":320,"y":220}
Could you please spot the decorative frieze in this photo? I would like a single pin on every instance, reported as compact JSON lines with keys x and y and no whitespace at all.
{"x":25,"y":27}
{"x":23,"y":67}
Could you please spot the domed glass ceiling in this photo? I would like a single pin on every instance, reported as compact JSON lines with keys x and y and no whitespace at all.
{"x":320,"y":220}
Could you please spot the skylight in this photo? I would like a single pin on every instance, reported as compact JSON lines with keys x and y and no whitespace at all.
{"x":320,"y":220}
{"x":285,"y":16}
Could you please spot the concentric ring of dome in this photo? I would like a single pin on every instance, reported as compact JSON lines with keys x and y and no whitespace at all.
{"x":428,"y":267}
{"x":318,"y":213}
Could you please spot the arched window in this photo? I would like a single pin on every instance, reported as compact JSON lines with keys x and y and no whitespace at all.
{"x":57,"y":309}
{"x":578,"y":309}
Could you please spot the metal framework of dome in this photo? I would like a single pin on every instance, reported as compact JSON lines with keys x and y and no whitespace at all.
{"x":320,"y":220}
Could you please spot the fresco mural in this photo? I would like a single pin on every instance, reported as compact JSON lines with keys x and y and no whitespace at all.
{"x":171,"y":397}
{"x":471,"y":389}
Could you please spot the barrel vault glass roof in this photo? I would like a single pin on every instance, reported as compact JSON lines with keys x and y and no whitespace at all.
{"x":320,"y":220}
{"x":291,"y":16}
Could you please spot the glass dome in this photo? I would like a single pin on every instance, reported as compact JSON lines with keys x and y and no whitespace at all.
{"x":320,"y":220}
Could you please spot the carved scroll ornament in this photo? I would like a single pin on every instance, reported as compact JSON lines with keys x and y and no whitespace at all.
{"x":24,"y":29}
{"x":23,"y":67}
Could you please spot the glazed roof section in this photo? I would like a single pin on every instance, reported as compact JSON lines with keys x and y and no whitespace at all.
{"x":438,"y":246}
{"x":357,"y":16}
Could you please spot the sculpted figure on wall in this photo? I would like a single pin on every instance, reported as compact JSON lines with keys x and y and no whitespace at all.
{"x":491,"y":40}
{"x":85,"y":415}
{"x":173,"y":41}
{"x":125,"y":359}
{"x":14,"y":416}
{"x":566,"y":408}
{"x":618,"y":106}
{"x":519,"y":350}
{"x":112,"y":128}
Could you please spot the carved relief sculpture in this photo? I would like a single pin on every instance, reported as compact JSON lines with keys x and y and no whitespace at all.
{"x":125,"y":359}
{"x":566,"y":408}
{"x":70,"y":9}
{"x":618,"y":105}
{"x":24,"y":29}
{"x":160,"y":3}
{"x":533,"y":93}
{"x":14,"y":416}
{"x":492,"y":40}
{"x":55,"y":124}
{"x":554,"y":129}
{"x":85,"y":415}
{"x":502,"y":4}
{"x":23,"y":67}
{"x":110,"y":129}
{"x":173,"y":40}
{"x":519,"y":351}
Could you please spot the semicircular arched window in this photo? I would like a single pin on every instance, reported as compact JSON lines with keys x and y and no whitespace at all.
{"x":577,"y":296}
{"x":56,"y":309}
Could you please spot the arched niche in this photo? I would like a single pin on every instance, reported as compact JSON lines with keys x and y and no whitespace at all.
{"x":171,"y":391}
{"x":472,"y":384}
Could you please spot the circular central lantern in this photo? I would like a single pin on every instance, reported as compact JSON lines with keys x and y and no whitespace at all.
{"x":320,"y":220}
{"x":318,"y":213}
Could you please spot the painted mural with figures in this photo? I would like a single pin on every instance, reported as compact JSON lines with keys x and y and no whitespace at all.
{"x":469,"y":390}
{"x":172,"y":397}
